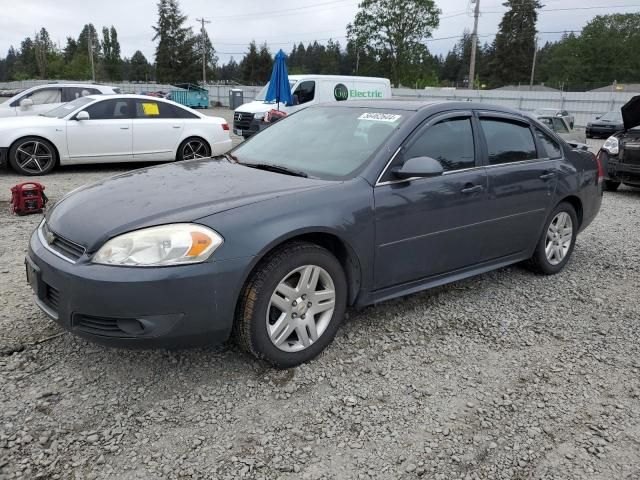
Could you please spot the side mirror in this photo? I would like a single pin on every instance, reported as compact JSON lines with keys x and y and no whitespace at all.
{"x":598,"y":117}
{"x":83,"y":115}
{"x":26,"y":103}
{"x":421,"y":167}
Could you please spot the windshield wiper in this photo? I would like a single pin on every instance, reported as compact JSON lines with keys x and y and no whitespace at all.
{"x":228,"y":156}
{"x":277,"y":168}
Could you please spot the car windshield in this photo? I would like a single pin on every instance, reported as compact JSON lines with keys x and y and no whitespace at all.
{"x":612,"y":117}
{"x":263,"y":93}
{"x":65,"y":109}
{"x":325,"y":142}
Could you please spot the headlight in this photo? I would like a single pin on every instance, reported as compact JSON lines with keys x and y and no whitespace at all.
{"x":259,"y":116}
{"x":611,"y":146}
{"x":177,"y":244}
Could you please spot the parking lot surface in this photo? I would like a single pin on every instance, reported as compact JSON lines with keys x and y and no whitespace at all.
{"x":507,"y":375}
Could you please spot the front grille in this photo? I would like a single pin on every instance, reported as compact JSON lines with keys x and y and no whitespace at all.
{"x":61,"y":245}
{"x":630,"y":153}
{"x":52,"y":297}
{"x":242,"y":120}
{"x":105,"y":327}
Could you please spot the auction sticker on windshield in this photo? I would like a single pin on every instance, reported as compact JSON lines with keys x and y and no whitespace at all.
{"x":380,"y":117}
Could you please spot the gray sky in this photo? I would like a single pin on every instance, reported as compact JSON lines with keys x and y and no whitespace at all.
{"x":280,"y":23}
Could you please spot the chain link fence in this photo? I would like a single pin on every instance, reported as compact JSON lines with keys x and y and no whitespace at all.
{"x":583,"y":105}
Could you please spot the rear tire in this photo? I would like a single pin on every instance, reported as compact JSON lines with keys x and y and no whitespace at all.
{"x":193,"y":148}
{"x":32,"y":156}
{"x":611,"y":186}
{"x":292,"y":305}
{"x":556,"y":242}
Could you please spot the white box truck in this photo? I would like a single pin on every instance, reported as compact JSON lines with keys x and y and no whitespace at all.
{"x":309,"y":90}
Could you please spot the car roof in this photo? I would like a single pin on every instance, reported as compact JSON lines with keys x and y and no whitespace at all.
{"x":127,"y":95}
{"x":417,"y":105}
{"x":78,"y":85}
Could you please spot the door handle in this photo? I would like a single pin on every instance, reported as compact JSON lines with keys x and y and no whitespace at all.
{"x":176,"y":126}
{"x":469,"y":188}
{"x":547,"y":175}
{"x":124,"y":128}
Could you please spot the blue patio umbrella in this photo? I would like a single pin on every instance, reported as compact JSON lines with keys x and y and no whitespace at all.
{"x":279,"y":89}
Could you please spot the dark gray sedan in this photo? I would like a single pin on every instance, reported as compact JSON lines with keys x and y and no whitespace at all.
{"x":334,"y":206}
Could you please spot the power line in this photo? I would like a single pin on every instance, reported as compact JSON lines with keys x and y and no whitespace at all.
{"x":577,"y":8}
{"x":286,"y":11}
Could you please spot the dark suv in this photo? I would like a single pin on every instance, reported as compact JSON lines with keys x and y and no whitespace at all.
{"x":620,"y":154}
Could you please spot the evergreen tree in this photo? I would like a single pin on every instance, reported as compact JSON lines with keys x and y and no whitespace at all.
{"x":515,"y":42}
{"x":256,"y":66}
{"x":230,"y":71}
{"x":210,"y":54}
{"x":176,"y":58}
{"x":111,"y":51}
{"x":139,"y":68}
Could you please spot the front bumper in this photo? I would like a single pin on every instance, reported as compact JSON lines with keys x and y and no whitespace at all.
{"x":170,"y":307}
{"x":595,"y":131}
{"x":619,"y":171}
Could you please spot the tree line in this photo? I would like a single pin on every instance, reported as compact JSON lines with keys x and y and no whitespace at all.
{"x":387,"y":38}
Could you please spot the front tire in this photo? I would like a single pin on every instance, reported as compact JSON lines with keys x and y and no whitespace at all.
{"x":193,"y":148}
{"x":611,"y":186}
{"x":292,"y":306}
{"x":32,"y":156}
{"x":557,"y":241}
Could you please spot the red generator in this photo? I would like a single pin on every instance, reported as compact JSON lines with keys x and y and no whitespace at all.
{"x":28,"y":198}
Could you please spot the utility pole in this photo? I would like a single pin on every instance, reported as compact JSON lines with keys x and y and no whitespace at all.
{"x":474,"y":45}
{"x":533,"y":66}
{"x":204,"y":49}
{"x":90,"y":43}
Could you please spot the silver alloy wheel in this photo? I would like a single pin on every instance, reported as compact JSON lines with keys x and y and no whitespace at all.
{"x":33,"y":156}
{"x":301,"y":308}
{"x":559,"y":238}
{"x":194,"y":149}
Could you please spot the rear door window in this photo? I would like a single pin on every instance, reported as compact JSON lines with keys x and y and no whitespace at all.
{"x":69,"y":94}
{"x":449,"y":141}
{"x":508,"y":141}
{"x":151,"y":109}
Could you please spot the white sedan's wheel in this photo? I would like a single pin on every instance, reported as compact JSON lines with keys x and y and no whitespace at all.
{"x":193,"y":148}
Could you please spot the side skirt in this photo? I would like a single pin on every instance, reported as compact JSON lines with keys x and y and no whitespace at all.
{"x":416,"y":286}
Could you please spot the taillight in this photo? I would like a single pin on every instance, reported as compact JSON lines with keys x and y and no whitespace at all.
{"x":600,"y":169}
{"x":225,"y":126}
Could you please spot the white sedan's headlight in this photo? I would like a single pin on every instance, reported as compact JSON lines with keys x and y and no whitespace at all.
{"x":611,"y":146}
{"x":176,"y":244}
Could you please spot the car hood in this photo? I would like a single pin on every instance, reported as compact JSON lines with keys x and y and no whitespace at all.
{"x":258,"y":107}
{"x":631,"y":113}
{"x":180,"y":192}
{"x":13,"y":122}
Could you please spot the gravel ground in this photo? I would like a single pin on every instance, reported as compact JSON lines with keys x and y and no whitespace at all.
{"x":507,"y":375}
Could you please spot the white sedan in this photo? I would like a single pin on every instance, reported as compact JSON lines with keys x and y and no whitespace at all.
{"x":114,"y":128}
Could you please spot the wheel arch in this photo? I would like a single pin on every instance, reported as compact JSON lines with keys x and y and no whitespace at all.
{"x":53,"y":144}
{"x":341,"y":249}
{"x":192,"y":137}
{"x":576,"y":203}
